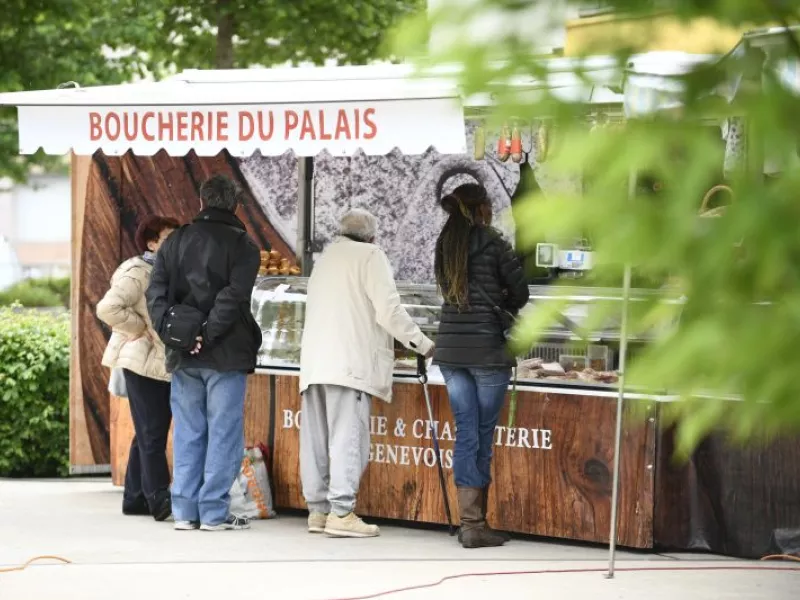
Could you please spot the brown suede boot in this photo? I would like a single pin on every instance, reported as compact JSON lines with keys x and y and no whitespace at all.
{"x":474,"y":533}
{"x":484,"y":512}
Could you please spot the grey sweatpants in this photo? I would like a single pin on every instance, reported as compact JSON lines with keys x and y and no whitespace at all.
{"x":334,"y":447}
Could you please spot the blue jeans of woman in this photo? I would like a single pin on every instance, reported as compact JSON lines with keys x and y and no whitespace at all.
{"x":476,"y":398}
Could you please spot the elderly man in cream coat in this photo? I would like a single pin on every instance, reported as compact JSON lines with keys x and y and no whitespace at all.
{"x":353,"y":314}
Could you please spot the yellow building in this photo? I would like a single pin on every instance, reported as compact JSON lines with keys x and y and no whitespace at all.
{"x":603,"y":32}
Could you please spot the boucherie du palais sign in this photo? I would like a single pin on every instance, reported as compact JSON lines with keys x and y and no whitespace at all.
{"x":411,"y":126}
{"x":241,"y":125}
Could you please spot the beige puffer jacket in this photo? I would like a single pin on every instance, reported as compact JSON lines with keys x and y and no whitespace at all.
{"x":134,"y":345}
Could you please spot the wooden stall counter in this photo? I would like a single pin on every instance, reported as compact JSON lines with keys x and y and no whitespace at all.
{"x":552,"y":470}
{"x":257,"y":425}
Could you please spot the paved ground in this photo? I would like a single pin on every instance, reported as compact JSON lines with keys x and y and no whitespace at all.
{"x":133,"y":557}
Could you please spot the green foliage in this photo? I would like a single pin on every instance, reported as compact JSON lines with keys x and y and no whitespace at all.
{"x":50,"y":43}
{"x":729,"y":306}
{"x":110,"y":42}
{"x":270,"y":32}
{"x":29,"y":295}
{"x":60,"y":286}
{"x":38,"y":293}
{"x":34,"y":393}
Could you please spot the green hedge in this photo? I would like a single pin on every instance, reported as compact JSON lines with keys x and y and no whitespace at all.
{"x":38,"y":293}
{"x":34,"y":393}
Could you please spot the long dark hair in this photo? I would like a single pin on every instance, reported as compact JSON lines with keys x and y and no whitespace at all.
{"x":468,"y":206}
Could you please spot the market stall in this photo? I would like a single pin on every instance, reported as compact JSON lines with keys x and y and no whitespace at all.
{"x":554,"y":459}
{"x":554,"y":456}
{"x":727,"y":499}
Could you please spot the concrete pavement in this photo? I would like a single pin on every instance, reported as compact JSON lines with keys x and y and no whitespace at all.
{"x":130,"y":557}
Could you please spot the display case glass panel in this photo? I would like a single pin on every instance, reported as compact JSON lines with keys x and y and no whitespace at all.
{"x":577,"y":348}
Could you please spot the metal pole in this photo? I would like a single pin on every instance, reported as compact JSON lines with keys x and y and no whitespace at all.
{"x":305,"y":213}
{"x":623,"y":357}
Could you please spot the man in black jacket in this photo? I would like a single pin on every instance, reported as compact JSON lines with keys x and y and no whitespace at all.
{"x":213,"y":265}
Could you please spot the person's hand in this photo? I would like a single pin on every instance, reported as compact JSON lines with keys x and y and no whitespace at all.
{"x":198,"y":345}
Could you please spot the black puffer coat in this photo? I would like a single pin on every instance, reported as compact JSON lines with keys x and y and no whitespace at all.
{"x":217,"y":267}
{"x":473,"y":336}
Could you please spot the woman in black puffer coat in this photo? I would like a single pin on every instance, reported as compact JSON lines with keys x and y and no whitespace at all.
{"x":477,"y":273}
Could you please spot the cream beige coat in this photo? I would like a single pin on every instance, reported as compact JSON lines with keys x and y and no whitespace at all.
{"x":349,"y":342}
{"x":134,"y":345}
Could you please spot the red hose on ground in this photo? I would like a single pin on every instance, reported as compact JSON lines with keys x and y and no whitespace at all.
{"x":423,"y":586}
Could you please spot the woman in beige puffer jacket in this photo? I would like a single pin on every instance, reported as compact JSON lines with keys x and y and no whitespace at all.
{"x":136,"y":348}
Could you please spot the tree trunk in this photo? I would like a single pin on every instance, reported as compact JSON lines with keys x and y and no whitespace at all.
{"x":224,"y":58}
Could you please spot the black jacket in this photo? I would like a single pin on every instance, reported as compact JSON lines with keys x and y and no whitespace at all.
{"x":217,"y":265}
{"x":473,"y":336}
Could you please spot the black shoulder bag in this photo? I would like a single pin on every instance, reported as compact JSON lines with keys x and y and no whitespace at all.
{"x":506,"y":318}
{"x":507,"y":321}
{"x":182,"y":324}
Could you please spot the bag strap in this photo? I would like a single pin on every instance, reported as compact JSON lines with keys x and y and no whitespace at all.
{"x":481,"y":290}
{"x":512,"y":409}
{"x":485,"y":295}
{"x":173,"y":267}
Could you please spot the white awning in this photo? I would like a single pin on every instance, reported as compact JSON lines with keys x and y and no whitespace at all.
{"x":304,"y":110}
{"x":653,"y":81}
{"x":340,"y":110}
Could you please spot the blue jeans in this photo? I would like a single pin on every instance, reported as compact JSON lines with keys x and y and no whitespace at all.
{"x":208,"y":442}
{"x":476,"y":397}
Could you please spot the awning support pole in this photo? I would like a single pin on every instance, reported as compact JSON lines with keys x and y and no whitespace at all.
{"x":623,"y":357}
{"x":305,"y":213}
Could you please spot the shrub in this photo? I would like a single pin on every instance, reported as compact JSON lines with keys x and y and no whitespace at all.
{"x":34,"y":393}
{"x":37,"y":293}
{"x":59,"y":285}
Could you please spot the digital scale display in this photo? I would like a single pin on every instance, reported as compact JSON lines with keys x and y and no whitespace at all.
{"x":575,"y":259}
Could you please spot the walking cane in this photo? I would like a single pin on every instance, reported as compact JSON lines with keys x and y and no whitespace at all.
{"x":422,"y":373}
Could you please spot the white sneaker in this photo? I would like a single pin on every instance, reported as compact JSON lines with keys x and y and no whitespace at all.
{"x":186,"y":525}
{"x":232,"y":523}
{"x":316,"y":522}
{"x":349,"y":526}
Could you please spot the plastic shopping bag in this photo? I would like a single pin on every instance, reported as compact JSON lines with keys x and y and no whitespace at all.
{"x":116,"y":383}
{"x":251,"y":495}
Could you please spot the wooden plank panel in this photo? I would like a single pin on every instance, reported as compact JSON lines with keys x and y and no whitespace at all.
{"x":257,"y":411}
{"x":100,"y":247}
{"x":80,"y":447}
{"x":120,"y":431}
{"x":552,"y":470}
{"x":286,"y":487}
{"x":258,"y":423}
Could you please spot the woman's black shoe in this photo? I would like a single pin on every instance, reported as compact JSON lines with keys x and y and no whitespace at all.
{"x":137,"y":507}
{"x":162,"y":508}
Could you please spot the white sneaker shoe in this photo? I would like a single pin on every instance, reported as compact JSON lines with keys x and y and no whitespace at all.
{"x":349,"y":526}
{"x":232,"y":523}
{"x":316,"y":522}
{"x":186,"y":525}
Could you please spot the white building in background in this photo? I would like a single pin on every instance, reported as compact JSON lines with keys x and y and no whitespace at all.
{"x":543,"y":23}
{"x":36,"y":222}
{"x":10,"y":270}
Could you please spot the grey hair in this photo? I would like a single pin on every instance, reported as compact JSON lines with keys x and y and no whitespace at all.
{"x":220,"y":192}
{"x":359,"y":223}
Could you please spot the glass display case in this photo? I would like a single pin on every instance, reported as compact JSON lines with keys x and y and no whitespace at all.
{"x":578,"y":348}
{"x":279,"y":303}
